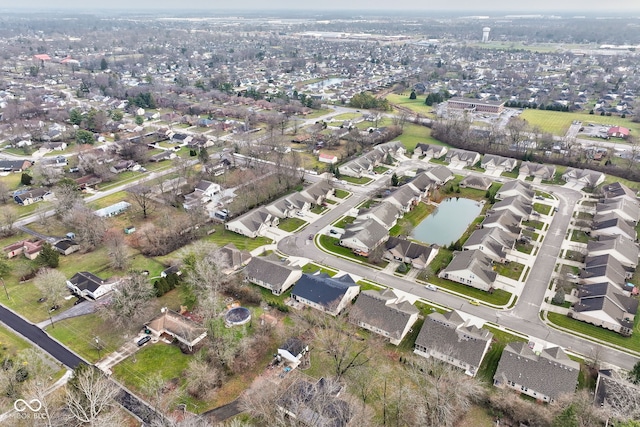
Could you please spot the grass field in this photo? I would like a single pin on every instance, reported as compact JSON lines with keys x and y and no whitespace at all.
{"x":291,"y":224}
{"x":413,"y":135}
{"x":341,"y":194}
{"x":632,"y":342}
{"x":557,"y":122}
{"x":363,"y":180}
{"x":416,"y":105}
{"x":498,"y":297}
{"x":513,"y":270}
{"x":221,"y":237}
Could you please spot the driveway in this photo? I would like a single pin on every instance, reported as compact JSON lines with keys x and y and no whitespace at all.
{"x":85,"y":307}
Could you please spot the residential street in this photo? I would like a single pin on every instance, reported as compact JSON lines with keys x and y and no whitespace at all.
{"x":524,"y":317}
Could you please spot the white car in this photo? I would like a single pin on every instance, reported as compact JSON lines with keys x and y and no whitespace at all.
{"x":431,"y":287}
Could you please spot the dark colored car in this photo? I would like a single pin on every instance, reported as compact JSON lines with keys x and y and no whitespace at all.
{"x":142,"y":341}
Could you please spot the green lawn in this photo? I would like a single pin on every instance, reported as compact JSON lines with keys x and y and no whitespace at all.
{"x":162,"y":359}
{"x":343,"y":222}
{"x":416,"y":105}
{"x":490,"y":362}
{"x":542,"y":209}
{"x":413,"y":135}
{"x":79,"y":333}
{"x":533,"y":223}
{"x":580,"y":237}
{"x":631,"y":343}
{"x":318,"y":209}
{"x":525,"y":248}
{"x":512,"y":270}
{"x":312,"y":268}
{"x":10,"y":343}
{"x":347,"y":116}
{"x":12,"y":180}
{"x":498,"y":297}
{"x":341,"y":194}
{"x":221,"y":237}
{"x":557,"y":122}
{"x":363,"y":180}
{"x":109,"y":200}
{"x":380,"y":169}
{"x":411,"y":219}
{"x":291,"y":224}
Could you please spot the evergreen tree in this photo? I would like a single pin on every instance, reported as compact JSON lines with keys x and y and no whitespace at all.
{"x":48,"y":256}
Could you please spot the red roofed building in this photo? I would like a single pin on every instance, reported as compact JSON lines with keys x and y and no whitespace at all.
{"x":618,"y":132}
{"x":328,"y":158}
{"x":42,"y":57}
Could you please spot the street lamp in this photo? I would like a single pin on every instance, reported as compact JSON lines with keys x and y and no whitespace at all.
{"x":98,"y":347}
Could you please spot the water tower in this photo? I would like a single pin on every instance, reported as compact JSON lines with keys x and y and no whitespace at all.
{"x":485,"y":34}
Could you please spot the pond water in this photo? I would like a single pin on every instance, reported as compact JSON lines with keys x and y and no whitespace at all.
{"x":448,"y":222}
{"x":324,"y":83}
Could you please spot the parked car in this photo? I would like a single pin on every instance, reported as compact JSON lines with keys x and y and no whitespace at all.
{"x":142,"y":341}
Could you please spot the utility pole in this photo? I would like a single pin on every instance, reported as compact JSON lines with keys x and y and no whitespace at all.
{"x":5,"y":288}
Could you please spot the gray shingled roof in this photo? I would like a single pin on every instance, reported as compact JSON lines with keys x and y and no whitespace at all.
{"x":476,"y":181}
{"x":626,"y":206}
{"x":516,"y":186}
{"x":382,"y":310}
{"x":519,"y":205}
{"x":84,"y":280}
{"x":551,"y":373}
{"x":272,"y":272}
{"x":476,"y":262}
{"x":616,"y":244}
{"x":505,"y":219}
{"x":616,"y":189}
{"x":538,"y":170}
{"x":369,"y":232}
{"x":448,"y":334}
{"x":494,"y":240}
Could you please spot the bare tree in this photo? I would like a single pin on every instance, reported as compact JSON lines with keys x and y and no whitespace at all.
{"x":204,"y":273}
{"x":89,"y":227}
{"x":116,"y":249}
{"x":52,"y":284}
{"x":90,"y":397}
{"x":202,"y":378}
{"x":47,"y":175}
{"x":7,"y":221}
{"x":142,"y":194}
{"x":129,"y":303}
{"x":38,"y":387}
{"x":347,"y":352}
{"x":5,"y":194}
{"x":67,"y":196}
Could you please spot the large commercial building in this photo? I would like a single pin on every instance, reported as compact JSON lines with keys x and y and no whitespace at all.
{"x":476,"y":105}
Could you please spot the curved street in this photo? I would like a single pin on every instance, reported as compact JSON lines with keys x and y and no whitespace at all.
{"x":524,"y":317}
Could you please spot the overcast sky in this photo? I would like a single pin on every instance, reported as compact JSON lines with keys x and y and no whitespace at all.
{"x":573,"y":6}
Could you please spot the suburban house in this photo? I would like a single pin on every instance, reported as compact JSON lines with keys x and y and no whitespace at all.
{"x":461,"y":158}
{"x":409,"y":252}
{"x":66,"y":246}
{"x":292,"y":351}
{"x":394,"y":148}
{"x":624,"y":208}
{"x":543,"y":376}
{"x":162,"y":156}
{"x":537,"y":170}
{"x":492,"y":241}
{"x":385,"y":213}
{"x":123,"y":166}
{"x":603,"y":304}
{"x":618,"y":132}
{"x":404,"y":198}
{"x":88,"y":285}
{"x":451,"y":339}
{"x":439,"y":174}
{"x":362,"y":165}
{"x":422,"y":184}
{"x":492,"y":162}
{"x":315,"y":404}
{"x":430,"y":151}
{"x":271,"y":274}
{"x":236,"y":259}
{"x":504,"y":220}
{"x":384,"y":313}
{"x":29,"y":248}
{"x":604,"y":268}
{"x":515,"y":188}
{"x":617,"y":190}
{"x":201,"y":195}
{"x":472,"y":268}
{"x":113,"y":210}
{"x":363,"y":237}
{"x":317,"y":193}
{"x":621,"y":248}
{"x":324,"y":293}
{"x":332,"y":159}
{"x":612,"y":225}
{"x":14,"y":165}
{"x":253,"y":223}
{"x":27,"y":197}
{"x":517,"y":205}
{"x":187,"y":332}
{"x":476,"y":182}
{"x":586,"y":177}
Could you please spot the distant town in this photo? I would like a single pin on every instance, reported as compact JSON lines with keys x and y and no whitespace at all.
{"x":319,"y":220}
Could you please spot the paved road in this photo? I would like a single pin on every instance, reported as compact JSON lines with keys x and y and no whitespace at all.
{"x":524,"y":317}
{"x":40,"y":338}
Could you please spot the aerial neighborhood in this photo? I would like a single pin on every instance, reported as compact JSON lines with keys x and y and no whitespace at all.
{"x":244,"y":220}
